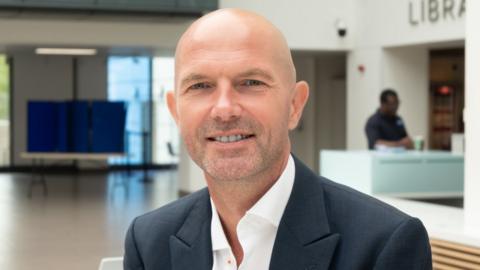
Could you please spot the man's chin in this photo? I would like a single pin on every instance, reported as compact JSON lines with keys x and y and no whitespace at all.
{"x":232,"y":168}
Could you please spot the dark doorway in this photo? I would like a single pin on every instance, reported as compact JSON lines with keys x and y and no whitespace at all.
{"x":447,"y":98}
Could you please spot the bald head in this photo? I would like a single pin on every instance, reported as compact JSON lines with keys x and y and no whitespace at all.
{"x":235,"y":79}
{"x":232,"y":30}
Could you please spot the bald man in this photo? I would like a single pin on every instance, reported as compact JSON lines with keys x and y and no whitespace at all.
{"x":236,"y":98}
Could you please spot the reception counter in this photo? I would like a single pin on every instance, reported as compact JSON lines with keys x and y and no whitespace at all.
{"x":408,"y":174}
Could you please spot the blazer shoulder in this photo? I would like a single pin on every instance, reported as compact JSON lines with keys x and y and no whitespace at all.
{"x":354,"y":204}
{"x":381,"y":230}
{"x":344,"y":204}
{"x":147,"y":239}
{"x":171,"y":215}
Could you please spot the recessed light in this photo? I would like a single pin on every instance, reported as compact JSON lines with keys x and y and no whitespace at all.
{"x":66,"y":51}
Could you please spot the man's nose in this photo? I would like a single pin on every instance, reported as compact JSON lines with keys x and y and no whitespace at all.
{"x":226,"y":106}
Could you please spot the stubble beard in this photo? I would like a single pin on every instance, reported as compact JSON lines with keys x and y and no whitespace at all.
{"x":242,"y":165}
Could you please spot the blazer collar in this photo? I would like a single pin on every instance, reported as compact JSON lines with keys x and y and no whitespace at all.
{"x":304,"y":239}
{"x":191,"y":246}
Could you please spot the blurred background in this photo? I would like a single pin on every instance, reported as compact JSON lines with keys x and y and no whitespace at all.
{"x":65,"y":208}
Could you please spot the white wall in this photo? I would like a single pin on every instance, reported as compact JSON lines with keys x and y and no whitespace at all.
{"x":386,"y":23}
{"x":306,"y":24}
{"x":407,"y":71}
{"x":330,"y":103}
{"x":472,"y":113}
{"x":323,"y":120}
{"x":51,"y":78}
{"x":303,"y":137}
{"x":363,"y":89}
{"x":310,"y":24}
{"x":92,"y":77}
{"x":91,"y":31}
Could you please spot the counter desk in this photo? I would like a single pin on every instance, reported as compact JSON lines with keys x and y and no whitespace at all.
{"x":408,"y":174}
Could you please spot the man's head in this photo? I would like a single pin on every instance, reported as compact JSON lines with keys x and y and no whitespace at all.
{"x":389,"y":102}
{"x":236,"y":95}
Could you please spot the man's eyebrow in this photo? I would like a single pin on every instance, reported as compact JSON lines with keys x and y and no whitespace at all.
{"x":191,"y":78}
{"x":249,"y":73}
{"x":257,"y":72}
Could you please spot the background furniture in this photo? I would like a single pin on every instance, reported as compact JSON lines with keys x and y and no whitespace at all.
{"x":38,"y":164}
{"x":76,"y":126}
{"x":112,"y":263}
{"x":410,"y":174}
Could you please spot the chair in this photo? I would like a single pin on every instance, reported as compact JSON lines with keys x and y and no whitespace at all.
{"x":111,"y":263}
{"x":170,"y":149}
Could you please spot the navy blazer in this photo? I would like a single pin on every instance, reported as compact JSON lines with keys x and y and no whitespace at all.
{"x":325,"y":226}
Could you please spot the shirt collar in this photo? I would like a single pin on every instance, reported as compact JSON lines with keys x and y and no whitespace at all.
{"x":273,"y":203}
{"x":270,"y":206}
{"x":387,"y":117}
{"x":219,"y":240}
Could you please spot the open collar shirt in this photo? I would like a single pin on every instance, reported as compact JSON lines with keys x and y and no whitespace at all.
{"x":256,"y":230}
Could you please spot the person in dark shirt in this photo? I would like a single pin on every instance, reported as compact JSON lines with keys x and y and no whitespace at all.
{"x":385,"y":127}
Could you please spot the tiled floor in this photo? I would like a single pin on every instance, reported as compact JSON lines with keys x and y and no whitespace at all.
{"x":83,"y":218}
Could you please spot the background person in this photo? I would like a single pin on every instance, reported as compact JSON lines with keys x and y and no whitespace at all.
{"x":385,"y":127}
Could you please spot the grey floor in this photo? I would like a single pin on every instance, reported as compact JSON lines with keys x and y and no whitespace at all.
{"x":82,"y":219}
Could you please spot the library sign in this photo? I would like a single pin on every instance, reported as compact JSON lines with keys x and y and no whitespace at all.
{"x":432,"y":11}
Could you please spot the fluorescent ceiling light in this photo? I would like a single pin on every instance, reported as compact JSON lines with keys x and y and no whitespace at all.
{"x":66,"y":51}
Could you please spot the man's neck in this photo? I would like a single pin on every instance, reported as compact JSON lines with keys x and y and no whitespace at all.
{"x":384,"y":113}
{"x":233,"y":198}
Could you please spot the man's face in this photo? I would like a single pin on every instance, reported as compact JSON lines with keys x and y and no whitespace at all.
{"x":233,"y":106}
{"x":391,"y":106}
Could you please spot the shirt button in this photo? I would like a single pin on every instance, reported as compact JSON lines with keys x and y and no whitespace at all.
{"x":229,"y":261}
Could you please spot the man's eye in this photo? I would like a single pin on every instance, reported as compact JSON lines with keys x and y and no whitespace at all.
{"x":253,"y":83}
{"x":199,"y":86}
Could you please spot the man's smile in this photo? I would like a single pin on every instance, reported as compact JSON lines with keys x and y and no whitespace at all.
{"x":230,"y":138}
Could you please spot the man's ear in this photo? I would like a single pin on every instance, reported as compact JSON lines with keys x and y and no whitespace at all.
{"x":300,"y":97}
{"x":172,"y":105}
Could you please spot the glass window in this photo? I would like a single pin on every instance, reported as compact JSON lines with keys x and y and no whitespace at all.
{"x":4,"y":111}
{"x":129,"y":80}
{"x":165,"y":133}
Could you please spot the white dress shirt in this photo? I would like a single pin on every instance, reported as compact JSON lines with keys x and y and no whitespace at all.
{"x":256,"y":230}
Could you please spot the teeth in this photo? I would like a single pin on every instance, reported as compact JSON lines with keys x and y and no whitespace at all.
{"x":231,"y":138}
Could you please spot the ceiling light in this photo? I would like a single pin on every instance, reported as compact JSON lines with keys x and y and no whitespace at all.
{"x":66,"y":51}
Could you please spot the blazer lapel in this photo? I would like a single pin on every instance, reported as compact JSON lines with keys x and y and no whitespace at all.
{"x":304,"y":240}
{"x":191,"y":246}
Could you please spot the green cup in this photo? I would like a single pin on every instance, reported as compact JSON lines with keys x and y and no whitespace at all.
{"x":418,"y":143}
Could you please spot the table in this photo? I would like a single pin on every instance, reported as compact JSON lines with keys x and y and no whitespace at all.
{"x":38,"y":162}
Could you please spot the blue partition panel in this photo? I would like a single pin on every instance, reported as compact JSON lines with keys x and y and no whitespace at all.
{"x":42,"y":126}
{"x":108,"y":126}
{"x":76,"y":126}
{"x":80,"y":128}
{"x":63,"y":127}
{"x":73,"y":126}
